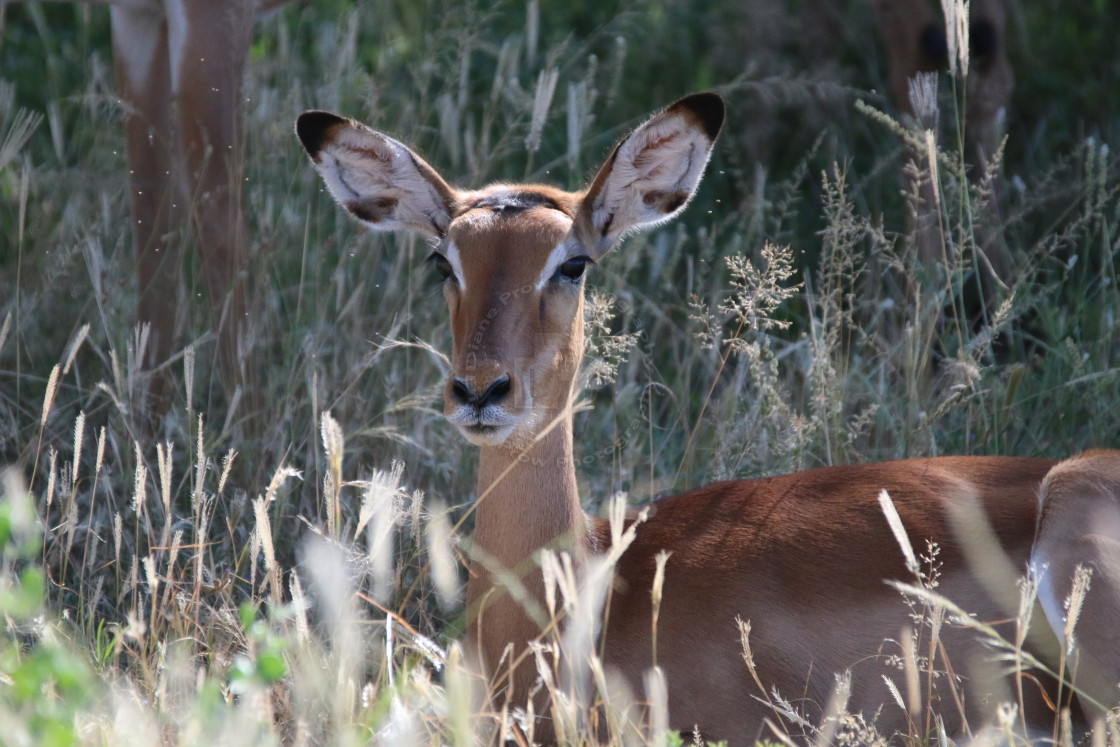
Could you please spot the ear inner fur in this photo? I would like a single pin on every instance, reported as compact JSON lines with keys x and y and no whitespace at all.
{"x":652,"y":173}
{"x":379,"y":180}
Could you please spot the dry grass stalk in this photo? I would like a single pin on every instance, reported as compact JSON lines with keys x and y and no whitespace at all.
{"x":332,"y":480}
{"x":264,"y":536}
{"x":655,"y":593}
{"x":5,"y":328}
{"x":20,"y":130}
{"x":188,"y":379}
{"x":72,"y":349}
{"x":956,"y":35}
{"x":657,"y":698}
{"x":894,"y":521}
{"x":542,"y":101}
{"x":911,"y":670}
{"x":445,"y":574}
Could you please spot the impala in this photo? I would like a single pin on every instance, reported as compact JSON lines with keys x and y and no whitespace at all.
{"x":803,"y":557}
{"x":917,"y":41}
{"x":179,"y":66}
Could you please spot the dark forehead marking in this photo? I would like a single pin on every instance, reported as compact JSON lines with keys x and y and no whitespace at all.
{"x":514,"y":201}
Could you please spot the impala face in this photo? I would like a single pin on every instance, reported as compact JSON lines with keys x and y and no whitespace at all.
{"x":512,"y":257}
{"x":513,"y":281}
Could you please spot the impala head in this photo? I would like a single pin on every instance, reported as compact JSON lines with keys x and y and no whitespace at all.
{"x":513,"y":257}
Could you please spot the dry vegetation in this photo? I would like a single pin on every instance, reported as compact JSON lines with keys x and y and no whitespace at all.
{"x":189,"y":577}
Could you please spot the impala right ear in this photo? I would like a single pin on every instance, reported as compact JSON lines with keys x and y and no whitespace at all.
{"x":653,"y":172}
{"x":377,"y":179}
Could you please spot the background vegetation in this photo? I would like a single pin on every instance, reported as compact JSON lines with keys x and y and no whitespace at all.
{"x":158,"y":584}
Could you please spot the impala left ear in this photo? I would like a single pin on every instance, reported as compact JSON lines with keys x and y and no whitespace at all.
{"x":652,"y":173}
{"x":376,"y":178}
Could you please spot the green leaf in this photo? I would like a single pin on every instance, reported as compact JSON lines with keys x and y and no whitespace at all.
{"x":271,"y":666}
{"x":24,"y":597}
{"x":55,"y":733}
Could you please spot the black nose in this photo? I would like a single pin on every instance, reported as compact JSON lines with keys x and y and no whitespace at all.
{"x":495,"y":392}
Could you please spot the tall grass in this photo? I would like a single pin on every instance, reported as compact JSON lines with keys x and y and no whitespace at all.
{"x":183,"y":579}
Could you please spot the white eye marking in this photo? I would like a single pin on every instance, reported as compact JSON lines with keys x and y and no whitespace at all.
{"x":558,"y":256}
{"x":452,"y":253}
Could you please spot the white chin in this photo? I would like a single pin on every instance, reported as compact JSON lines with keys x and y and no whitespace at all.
{"x":486,"y":435}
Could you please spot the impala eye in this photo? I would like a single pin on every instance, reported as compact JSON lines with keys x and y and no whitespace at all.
{"x":443,"y":267}
{"x":574,"y":268}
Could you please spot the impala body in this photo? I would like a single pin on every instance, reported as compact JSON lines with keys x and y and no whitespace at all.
{"x":803,"y":557}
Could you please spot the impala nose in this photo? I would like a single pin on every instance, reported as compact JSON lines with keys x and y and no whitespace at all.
{"x":495,"y":392}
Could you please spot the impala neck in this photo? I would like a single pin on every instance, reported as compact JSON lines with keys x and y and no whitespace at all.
{"x":528,"y":498}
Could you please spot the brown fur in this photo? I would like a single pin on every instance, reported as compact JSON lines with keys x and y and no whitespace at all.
{"x":805,"y":558}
